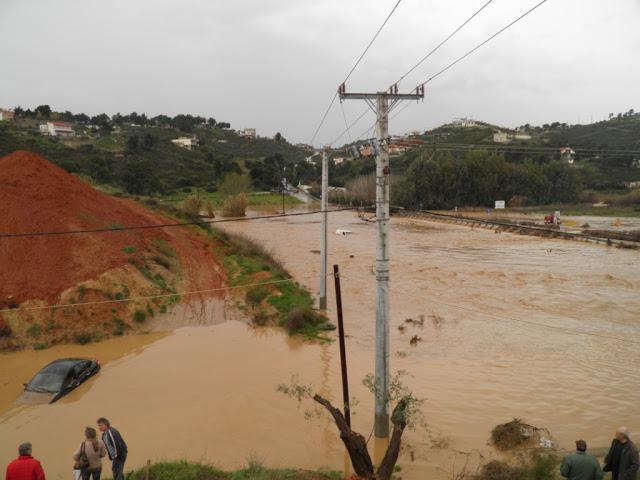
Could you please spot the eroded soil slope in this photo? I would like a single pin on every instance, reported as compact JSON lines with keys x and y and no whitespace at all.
{"x":37,"y":196}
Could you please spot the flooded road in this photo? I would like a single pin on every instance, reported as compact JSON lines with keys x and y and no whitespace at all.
{"x":542,"y":329}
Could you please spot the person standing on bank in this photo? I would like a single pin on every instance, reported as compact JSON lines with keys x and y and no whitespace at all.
{"x":25,"y":467}
{"x":88,"y":457}
{"x":622,"y":459}
{"x":580,"y":466}
{"x":116,"y":447}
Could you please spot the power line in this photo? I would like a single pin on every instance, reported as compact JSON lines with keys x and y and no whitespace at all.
{"x":437,"y":47}
{"x":165,"y":225}
{"x":364,"y":112}
{"x":324,"y":117}
{"x":335,"y":95}
{"x":372,"y":40}
{"x":526,"y":147}
{"x":459,"y":59}
{"x":533,"y":150}
{"x":483,"y":43}
{"x":146,"y":297}
{"x":344,"y":116}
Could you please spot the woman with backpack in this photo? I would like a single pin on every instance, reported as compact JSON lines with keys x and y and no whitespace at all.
{"x":88,"y":457}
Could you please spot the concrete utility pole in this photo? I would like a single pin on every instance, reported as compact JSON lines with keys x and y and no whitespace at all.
{"x":384,"y":103}
{"x":323,"y":235}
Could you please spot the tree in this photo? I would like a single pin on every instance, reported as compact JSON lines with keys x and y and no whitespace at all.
{"x":407,"y":412}
{"x":19,"y":111}
{"x":43,"y":111}
{"x":132,"y":144}
{"x":234,"y":184}
{"x":67,"y":116}
{"x":81,"y":118}
{"x":138,"y":178}
{"x":148,"y":141}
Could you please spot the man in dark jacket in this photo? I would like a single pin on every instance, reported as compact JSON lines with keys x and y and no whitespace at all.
{"x":25,"y":467}
{"x":116,"y":447}
{"x":580,"y":466}
{"x":622,"y":459}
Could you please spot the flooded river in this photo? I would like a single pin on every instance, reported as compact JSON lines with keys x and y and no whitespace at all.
{"x":546,"y":330}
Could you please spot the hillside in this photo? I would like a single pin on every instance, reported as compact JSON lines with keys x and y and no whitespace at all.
{"x":143,"y":160}
{"x":607,"y":152}
{"x":37,"y":196}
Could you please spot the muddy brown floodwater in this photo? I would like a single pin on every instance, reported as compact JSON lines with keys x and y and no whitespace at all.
{"x":546,"y":330}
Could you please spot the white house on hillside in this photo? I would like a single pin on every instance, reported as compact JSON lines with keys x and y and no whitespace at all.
{"x":190,"y":143}
{"x":464,"y":123}
{"x":248,"y":133}
{"x":501,"y":137}
{"x":57,"y":129}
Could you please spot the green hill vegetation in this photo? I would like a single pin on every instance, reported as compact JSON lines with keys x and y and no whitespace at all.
{"x":463,"y":166}
{"x":135,"y":154}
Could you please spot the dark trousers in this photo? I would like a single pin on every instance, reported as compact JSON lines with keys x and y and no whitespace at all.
{"x":91,"y":474}
{"x":117,"y":466}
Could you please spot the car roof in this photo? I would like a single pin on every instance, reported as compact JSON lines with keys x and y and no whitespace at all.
{"x":66,"y":362}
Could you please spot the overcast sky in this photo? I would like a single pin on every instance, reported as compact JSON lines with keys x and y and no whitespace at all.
{"x":274,"y":64}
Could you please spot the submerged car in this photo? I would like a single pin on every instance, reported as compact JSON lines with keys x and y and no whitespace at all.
{"x":58,"y":378}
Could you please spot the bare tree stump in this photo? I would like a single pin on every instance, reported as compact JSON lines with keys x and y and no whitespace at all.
{"x":356,"y":444}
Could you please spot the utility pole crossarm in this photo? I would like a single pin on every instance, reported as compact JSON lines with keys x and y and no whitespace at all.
{"x":392,"y":94}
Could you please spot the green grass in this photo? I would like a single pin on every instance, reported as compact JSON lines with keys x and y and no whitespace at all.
{"x":293,"y":304}
{"x":217,"y":199}
{"x":183,"y":470}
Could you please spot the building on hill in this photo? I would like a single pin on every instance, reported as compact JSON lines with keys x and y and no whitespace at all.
{"x":57,"y":129}
{"x":189,"y":143}
{"x":521,"y":136}
{"x":249,"y":133}
{"x":500,"y":137}
{"x":464,"y":123}
{"x":338,"y":160}
{"x":567,"y":155}
{"x":396,"y":149}
{"x":6,"y":114}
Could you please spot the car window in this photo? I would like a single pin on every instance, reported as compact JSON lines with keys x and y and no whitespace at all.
{"x":47,"y":382}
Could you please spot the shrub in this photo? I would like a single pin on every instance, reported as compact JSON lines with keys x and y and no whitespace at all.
{"x":34,"y":330}
{"x":255,"y":296}
{"x":163,"y":262}
{"x":514,"y":434}
{"x":119,"y":326}
{"x":235,"y":184}
{"x":629,"y":200}
{"x":83,"y":338}
{"x":139,"y":316}
{"x":261,"y":318}
{"x":235,"y":206}
{"x":301,"y":318}
{"x":129,"y":249}
{"x":40,"y":346}
{"x":193,"y":205}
